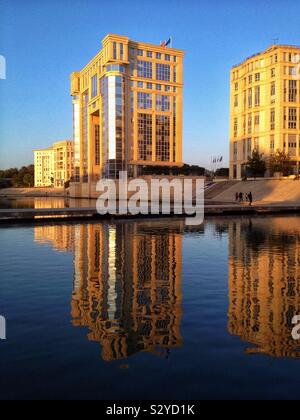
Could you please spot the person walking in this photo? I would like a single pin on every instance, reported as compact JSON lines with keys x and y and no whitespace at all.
{"x":237,"y":197}
{"x":241,"y":197}
{"x":250,"y":196}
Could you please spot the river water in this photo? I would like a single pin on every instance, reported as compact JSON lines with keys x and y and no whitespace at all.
{"x":151,"y":309}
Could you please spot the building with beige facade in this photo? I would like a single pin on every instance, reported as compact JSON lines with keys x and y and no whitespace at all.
{"x":53,"y":167}
{"x":265,"y":107}
{"x":264,"y":284}
{"x":127,"y":111}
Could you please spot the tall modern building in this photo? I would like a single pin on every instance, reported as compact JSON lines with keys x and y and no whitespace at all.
{"x":127,"y":110}
{"x":54,"y":166}
{"x":265,"y":107}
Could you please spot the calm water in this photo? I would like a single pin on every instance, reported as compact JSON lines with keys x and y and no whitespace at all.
{"x":151,"y":310}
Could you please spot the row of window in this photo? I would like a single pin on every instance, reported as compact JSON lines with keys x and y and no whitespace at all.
{"x":290,"y":142}
{"x":145,"y":129}
{"x":145,"y":70}
{"x":151,"y":86}
{"x":150,"y":54}
{"x":145,"y":101}
{"x":290,"y":94}
{"x":250,"y":67}
{"x":290,"y":121}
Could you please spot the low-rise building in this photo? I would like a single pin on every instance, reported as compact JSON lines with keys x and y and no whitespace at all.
{"x":54,"y":166}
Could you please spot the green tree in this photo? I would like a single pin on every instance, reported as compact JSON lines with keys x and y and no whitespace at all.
{"x":28,"y":180}
{"x":281,"y":162}
{"x":256,"y":164}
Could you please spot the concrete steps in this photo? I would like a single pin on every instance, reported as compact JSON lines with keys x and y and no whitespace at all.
{"x":268,"y":191}
{"x":218,"y":188}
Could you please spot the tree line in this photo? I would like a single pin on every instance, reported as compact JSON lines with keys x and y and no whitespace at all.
{"x":18,"y":178}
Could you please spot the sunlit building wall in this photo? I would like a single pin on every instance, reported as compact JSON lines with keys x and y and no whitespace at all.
{"x":127,"y":109}
{"x":43,"y":168}
{"x":265,"y":107}
{"x":54,"y":166}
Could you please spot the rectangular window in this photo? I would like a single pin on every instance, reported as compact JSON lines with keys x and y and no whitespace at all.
{"x":145,"y":69}
{"x":250,"y":98}
{"x":163,"y":72}
{"x":97,"y":145}
{"x":292,"y":90}
{"x":140,"y":53}
{"x":149,"y":54}
{"x":273,"y":119}
{"x":162,"y":103}
{"x":292,"y":118}
{"x":257,"y":77}
{"x":235,"y":150}
{"x":273,"y":89}
{"x":144,"y":100}
{"x":121,"y":51}
{"x":162,"y":138}
{"x":158,"y":56}
{"x":236,"y":101}
{"x":94,"y":86}
{"x":115,"y":51}
{"x":167,"y":57}
{"x":145,"y":137}
{"x":257,"y":96}
{"x":149,"y":85}
{"x":235,"y":127}
{"x":272,"y":144}
{"x":158,"y":87}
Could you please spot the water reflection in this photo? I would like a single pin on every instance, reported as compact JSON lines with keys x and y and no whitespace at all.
{"x":128,"y":276}
{"x":264,"y":283}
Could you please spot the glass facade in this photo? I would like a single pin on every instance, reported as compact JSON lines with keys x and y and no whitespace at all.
{"x":145,"y":136}
{"x":144,"y":100}
{"x":163,"y":138}
{"x":163,"y":72}
{"x":162,"y":103}
{"x":112,"y":93}
{"x":76,"y":136}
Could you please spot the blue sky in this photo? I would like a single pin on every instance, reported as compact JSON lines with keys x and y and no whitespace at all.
{"x":43,"y":41}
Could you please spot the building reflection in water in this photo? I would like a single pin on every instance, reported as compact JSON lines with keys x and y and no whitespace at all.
{"x":264,"y":283}
{"x":127,"y":286}
{"x":60,"y":237}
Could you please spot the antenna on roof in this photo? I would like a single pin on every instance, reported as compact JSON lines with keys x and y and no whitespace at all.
{"x":275,"y":41}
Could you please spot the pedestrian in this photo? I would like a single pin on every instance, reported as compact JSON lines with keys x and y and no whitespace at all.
{"x":250,"y":196}
{"x":247,"y":198}
{"x":241,"y":197}
{"x":237,"y":197}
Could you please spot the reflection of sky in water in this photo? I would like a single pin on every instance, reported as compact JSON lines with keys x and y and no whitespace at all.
{"x":200,"y":312}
